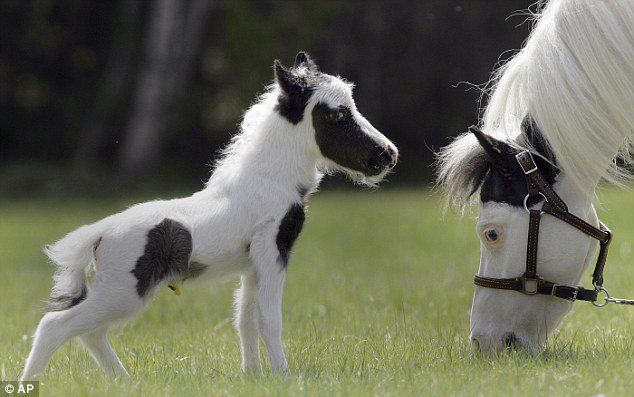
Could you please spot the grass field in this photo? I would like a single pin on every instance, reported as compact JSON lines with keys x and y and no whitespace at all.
{"x":376,"y":303}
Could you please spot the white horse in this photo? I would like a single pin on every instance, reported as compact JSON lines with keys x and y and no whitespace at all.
{"x":567,"y":97}
{"x":243,"y":223}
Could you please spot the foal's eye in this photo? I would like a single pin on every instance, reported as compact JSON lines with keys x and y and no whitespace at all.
{"x":491,"y":235}
{"x":337,"y":115}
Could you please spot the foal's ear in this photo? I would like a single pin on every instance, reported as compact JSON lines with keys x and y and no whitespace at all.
{"x":496,"y":150}
{"x":287,"y":80}
{"x":302,"y":60}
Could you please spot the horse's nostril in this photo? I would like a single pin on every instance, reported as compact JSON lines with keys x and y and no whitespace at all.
{"x":383,"y":157}
{"x":392,"y":152}
{"x":511,"y":341}
{"x":386,"y":158}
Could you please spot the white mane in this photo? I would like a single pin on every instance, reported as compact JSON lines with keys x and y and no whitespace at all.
{"x":253,"y":117}
{"x":575,"y":78}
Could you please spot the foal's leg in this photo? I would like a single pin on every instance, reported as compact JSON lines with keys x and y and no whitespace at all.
{"x":247,"y":323}
{"x":270,"y":276}
{"x":53,"y":331}
{"x":269,"y":296}
{"x":100,"y":348}
{"x":56,"y":328}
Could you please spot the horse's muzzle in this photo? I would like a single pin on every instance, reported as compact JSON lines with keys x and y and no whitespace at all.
{"x":382,"y":158}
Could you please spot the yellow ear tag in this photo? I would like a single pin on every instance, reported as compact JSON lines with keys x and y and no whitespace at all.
{"x":176,"y":288}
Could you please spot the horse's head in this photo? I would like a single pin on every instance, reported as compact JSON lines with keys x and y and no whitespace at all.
{"x":341,"y":138}
{"x":506,"y":318}
{"x":577,"y":88}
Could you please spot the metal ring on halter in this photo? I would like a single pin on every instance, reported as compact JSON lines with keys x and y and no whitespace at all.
{"x":526,"y":201}
{"x":607,"y":298}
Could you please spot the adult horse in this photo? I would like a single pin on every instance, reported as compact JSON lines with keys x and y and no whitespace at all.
{"x":560,"y":118}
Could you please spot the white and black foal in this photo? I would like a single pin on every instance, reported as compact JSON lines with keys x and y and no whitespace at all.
{"x":244,"y":222}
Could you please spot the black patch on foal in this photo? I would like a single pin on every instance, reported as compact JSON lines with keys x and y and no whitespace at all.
{"x":63,"y":302}
{"x":290,"y":227}
{"x":292,"y":105}
{"x":167,"y":253}
{"x":297,"y":85}
{"x":345,"y":143}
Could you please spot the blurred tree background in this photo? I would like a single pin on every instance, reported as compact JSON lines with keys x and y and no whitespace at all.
{"x":107,"y":96}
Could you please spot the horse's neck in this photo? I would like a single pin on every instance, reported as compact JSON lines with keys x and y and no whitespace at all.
{"x":579,"y":198}
{"x":574,"y":191}
{"x":280,"y":154}
{"x":274,"y":152}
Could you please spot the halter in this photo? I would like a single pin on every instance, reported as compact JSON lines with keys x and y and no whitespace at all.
{"x":530,"y":283}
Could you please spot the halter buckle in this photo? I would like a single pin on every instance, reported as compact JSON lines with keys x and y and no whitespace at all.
{"x":575,"y":291}
{"x":530,"y":285}
{"x":525,"y":159}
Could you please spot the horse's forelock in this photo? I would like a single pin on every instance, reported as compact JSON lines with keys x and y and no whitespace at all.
{"x":462,"y":166}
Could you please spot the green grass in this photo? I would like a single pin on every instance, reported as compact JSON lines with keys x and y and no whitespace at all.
{"x":376,"y":303}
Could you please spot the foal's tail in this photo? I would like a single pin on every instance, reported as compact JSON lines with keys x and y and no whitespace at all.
{"x":72,"y":255}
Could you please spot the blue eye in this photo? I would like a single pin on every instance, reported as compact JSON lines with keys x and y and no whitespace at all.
{"x":491,"y":235}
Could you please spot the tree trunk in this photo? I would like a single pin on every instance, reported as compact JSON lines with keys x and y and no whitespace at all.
{"x":113,"y":88}
{"x":173,"y":38}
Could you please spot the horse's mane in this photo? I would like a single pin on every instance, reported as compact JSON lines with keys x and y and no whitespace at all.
{"x":248,"y":130}
{"x":575,"y":78}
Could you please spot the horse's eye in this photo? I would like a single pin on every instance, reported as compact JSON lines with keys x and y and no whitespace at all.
{"x":491,"y":235}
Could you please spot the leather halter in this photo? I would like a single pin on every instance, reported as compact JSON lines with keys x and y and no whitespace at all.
{"x":530,"y":283}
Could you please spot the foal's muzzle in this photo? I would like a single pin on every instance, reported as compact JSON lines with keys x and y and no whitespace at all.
{"x":382,"y":158}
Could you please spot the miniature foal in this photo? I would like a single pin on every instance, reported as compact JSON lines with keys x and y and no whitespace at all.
{"x":244,"y":222}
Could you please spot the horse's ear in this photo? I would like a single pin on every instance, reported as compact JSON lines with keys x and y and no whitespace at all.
{"x":302,"y":60}
{"x":285,"y":78}
{"x":533,"y":137}
{"x":496,"y":150}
